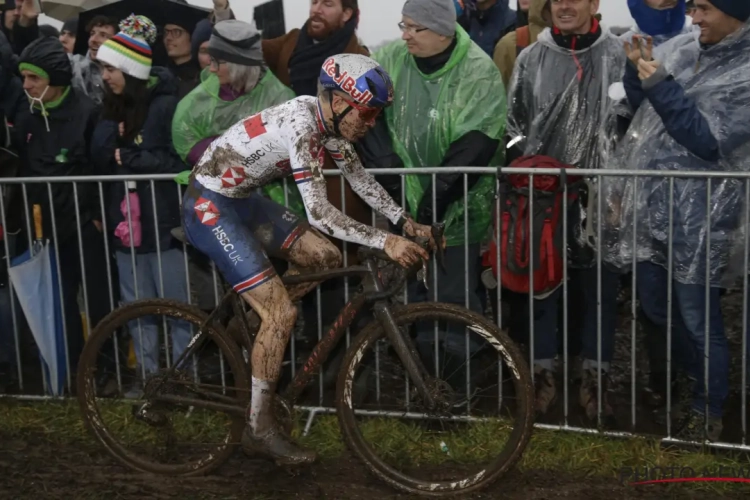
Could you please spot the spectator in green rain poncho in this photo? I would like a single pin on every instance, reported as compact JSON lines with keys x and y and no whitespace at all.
{"x":449,"y":111}
{"x":230,"y":91}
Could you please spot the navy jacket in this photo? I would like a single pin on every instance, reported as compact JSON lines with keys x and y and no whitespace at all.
{"x":487,"y":27}
{"x":151,"y":153}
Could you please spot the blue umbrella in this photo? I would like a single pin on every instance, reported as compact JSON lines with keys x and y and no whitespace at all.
{"x":35,"y":280}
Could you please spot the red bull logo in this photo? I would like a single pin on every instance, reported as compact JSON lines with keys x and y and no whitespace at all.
{"x":347,"y":83}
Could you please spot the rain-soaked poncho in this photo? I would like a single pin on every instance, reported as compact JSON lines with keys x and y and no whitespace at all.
{"x":560,"y":104}
{"x":202,"y":113}
{"x":432,"y":111}
{"x":716,"y":83}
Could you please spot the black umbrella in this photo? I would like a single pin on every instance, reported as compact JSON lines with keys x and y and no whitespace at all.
{"x":159,"y":11}
{"x":269,"y":18}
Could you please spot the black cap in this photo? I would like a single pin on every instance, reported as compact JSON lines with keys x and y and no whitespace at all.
{"x":46,"y":57}
{"x":70,"y":25}
{"x":48,"y":30}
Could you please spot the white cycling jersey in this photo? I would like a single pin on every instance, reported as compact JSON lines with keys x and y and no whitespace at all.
{"x":289,"y":140}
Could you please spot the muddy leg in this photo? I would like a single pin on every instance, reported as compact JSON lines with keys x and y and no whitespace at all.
{"x":278,"y":315}
{"x":310,"y":253}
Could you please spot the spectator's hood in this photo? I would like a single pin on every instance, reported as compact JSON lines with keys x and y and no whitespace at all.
{"x":657,"y":22}
{"x":536,"y":9}
{"x":162,"y":82}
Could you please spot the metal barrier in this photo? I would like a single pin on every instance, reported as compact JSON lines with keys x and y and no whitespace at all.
{"x":319,"y":406}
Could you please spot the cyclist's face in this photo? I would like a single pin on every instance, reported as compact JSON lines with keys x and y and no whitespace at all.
{"x":357,"y":121}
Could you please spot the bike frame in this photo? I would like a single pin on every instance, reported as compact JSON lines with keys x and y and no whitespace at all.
{"x":372,"y":291}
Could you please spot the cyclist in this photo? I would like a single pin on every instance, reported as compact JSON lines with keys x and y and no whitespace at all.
{"x":227,"y":219}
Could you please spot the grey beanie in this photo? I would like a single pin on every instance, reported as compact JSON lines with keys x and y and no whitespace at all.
{"x":436,"y":15}
{"x":236,"y":42}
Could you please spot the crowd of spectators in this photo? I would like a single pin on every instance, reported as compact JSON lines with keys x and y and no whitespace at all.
{"x":471,"y":76}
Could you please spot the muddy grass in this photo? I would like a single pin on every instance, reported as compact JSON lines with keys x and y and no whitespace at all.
{"x":34,"y":467}
{"x":47,"y":453}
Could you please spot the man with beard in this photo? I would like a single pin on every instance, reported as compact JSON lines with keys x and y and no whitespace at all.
{"x":295,"y":59}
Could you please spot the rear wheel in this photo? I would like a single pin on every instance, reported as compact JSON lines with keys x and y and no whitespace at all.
{"x":485,"y":406}
{"x":146,"y":434}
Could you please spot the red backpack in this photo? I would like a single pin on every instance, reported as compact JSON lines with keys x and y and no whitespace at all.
{"x":545,"y":245}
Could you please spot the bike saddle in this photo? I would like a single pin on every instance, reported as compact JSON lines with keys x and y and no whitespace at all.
{"x":178,"y":233}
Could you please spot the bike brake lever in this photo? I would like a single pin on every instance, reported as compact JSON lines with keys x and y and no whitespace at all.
{"x":422,"y":274}
{"x":438,"y":230}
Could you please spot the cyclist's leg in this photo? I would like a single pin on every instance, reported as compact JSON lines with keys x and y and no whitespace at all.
{"x":228,"y":240}
{"x":284,"y":235}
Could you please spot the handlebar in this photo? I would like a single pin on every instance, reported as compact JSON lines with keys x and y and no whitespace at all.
{"x":437,"y":230}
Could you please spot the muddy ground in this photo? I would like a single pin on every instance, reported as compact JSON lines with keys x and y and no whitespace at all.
{"x":31,"y":467}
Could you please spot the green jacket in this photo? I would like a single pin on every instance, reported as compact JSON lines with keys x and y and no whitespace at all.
{"x":432,"y":111}
{"x":202,"y":113}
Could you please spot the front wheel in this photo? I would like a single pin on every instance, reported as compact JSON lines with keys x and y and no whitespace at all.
{"x":483,"y":388}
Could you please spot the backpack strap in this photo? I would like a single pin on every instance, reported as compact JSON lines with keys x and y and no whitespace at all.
{"x":523,"y":38}
{"x":593,"y":194}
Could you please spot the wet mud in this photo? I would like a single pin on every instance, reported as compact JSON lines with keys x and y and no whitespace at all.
{"x":31,"y":467}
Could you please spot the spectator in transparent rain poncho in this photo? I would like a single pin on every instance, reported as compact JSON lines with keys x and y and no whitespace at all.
{"x":557,"y":99}
{"x":691,"y":115}
{"x":663,"y":21}
{"x":449,"y":111}
{"x":133,"y":138}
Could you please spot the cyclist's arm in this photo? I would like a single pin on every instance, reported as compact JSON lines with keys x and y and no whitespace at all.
{"x":307,"y":170}
{"x":362,"y":182}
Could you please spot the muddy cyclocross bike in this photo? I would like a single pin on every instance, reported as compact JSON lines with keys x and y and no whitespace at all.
{"x":435,"y":399}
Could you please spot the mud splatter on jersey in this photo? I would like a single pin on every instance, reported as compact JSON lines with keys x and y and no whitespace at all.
{"x":287,"y":140}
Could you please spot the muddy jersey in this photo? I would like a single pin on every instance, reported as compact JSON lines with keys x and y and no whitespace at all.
{"x":289,"y":140}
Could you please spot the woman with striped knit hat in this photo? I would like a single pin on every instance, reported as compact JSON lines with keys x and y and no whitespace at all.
{"x":135,"y":137}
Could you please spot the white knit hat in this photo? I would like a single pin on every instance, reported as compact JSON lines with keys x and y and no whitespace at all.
{"x":129,"y":50}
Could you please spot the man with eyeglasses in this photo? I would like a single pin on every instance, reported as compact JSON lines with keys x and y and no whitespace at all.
{"x":177,"y":36}
{"x":449,"y":111}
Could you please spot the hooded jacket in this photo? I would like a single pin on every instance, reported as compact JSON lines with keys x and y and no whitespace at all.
{"x":690,"y":116}
{"x":53,"y":141}
{"x":151,"y":152}
{"x":506,"y":51}
{"x":661,"y":25}
{"x":61,"y":151}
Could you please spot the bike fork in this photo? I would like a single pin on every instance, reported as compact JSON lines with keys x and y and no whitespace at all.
{"x":406,"y":350}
